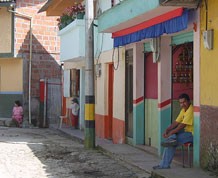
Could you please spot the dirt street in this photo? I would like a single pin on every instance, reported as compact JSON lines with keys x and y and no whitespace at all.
{"x":42,"y":153}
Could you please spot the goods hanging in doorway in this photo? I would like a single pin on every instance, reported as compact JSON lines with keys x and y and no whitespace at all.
{"x":183,"y":66}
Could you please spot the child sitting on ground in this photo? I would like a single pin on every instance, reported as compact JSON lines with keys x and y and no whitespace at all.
{"x":17,"y":114}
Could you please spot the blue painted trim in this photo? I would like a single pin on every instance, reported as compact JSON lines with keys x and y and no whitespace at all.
{"x":139,"y":124}
{"x":11,"y":92}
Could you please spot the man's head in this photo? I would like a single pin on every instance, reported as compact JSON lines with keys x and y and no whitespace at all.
{"x":184,"y":101}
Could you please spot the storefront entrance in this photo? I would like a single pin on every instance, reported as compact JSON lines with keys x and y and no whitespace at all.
{"x":182,"y":74}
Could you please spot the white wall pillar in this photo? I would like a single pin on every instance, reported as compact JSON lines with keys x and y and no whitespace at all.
{"x":164,"y":87}
{"x":138,"y":94}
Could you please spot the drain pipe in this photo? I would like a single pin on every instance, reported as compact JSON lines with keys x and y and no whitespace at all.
{"x":30,"y":59}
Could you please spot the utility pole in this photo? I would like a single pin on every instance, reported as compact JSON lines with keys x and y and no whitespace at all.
{"x":89,"y":77}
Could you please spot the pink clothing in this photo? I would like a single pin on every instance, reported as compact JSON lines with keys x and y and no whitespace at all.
{"x":18,"y":113}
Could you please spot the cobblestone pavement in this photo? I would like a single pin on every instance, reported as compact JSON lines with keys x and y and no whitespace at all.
{"x":41,"y":153}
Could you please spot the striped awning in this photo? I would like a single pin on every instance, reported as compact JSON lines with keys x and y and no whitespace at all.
{"x":171,"y":22}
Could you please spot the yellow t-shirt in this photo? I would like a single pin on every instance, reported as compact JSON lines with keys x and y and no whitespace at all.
{"x":187,"y":118}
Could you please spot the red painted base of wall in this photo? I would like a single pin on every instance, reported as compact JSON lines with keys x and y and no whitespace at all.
{"x":118,"y":131}
{"x":102,"y":128}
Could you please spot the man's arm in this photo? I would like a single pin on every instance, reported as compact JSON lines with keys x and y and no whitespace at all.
{"x":174,"y":128}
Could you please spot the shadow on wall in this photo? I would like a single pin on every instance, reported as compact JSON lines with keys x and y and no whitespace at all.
{"x":45,"y":57}
{"x":7,"y":104}
{"x":44,"y":64}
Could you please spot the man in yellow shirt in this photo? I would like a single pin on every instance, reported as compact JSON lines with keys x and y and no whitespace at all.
{"x":179,"y":132}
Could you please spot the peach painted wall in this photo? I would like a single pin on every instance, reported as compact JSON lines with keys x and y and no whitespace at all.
{"x":164,"y":70}
{"x":118,"y":132}
{"x":101,"y":95}
{"x":11,"y":75}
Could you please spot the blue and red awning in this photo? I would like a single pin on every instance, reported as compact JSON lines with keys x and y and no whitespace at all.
{"x":170,"y":22}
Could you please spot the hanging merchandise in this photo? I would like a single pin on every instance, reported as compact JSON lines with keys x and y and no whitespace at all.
{"x":183,"y":69}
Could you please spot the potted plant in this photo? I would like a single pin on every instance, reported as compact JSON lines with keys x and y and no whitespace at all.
{"x":79,"y":11}
{"x":70,"y":14}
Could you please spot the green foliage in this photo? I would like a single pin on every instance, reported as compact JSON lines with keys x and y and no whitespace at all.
{"x":70,"y":14}
{"x":64,"y":21}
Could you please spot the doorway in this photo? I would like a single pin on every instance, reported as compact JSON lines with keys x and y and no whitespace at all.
{"x":129,"y":93}
{"x":110,"y":101}
{"x":151,"y":100}
{"x":182,"y":74}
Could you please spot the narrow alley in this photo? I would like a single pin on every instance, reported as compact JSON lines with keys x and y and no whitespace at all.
{"x":41,"y":153}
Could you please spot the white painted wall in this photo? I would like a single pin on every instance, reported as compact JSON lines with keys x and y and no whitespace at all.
{"x":138,"y":71}
{"x":164,"y":70}
{"x":102,"y":41}
{"x":119,"y":85}
{"x":72,"y":39}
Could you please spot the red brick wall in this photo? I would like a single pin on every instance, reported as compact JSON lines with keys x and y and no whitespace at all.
{"x":45,"y":46}
{"x":209,"y":130}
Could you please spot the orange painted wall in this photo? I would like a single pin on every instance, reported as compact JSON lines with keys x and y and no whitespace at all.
{"x":102,"y":128}
{"x":118,"y":132}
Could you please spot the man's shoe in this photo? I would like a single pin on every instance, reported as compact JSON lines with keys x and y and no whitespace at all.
{"x":159,"y":167}
{"x":169,"y":143}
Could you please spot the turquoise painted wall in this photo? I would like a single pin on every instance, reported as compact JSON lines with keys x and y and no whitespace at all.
{"x":138,"y":124}
{"x":126,"y":10}
{"x":151,"y":120}
{"x":183,"y":38}
{"x":197,"y":126}
{"x":164,"y":120}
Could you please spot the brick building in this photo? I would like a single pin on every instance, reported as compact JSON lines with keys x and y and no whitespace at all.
{"x":38,"y":52}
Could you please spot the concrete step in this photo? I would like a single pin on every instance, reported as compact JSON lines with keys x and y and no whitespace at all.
{"x":5,"y":121}
{"x":2,"y":122}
